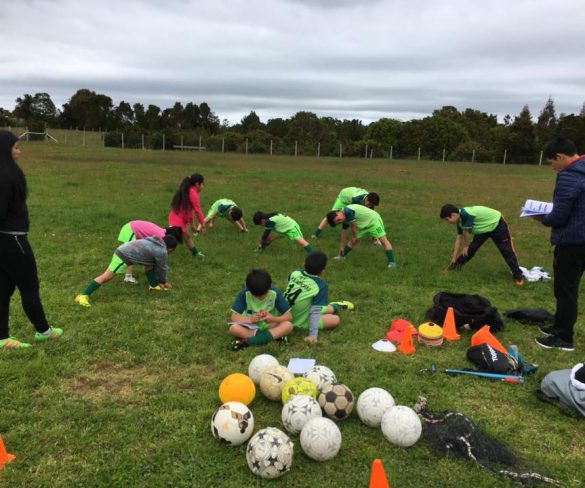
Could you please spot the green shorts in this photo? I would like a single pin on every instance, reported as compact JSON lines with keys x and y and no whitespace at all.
{"x":117,"y":265}
{"x":293,"y":233}
{"x":126,"y":234}
{"x":374,"y":230}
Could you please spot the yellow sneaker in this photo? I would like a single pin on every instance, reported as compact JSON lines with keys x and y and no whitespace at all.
{"x":83,"y":300}
{"x":12,"y":343}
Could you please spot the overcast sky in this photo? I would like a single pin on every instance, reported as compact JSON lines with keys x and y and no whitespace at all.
{"x":362,"y":59}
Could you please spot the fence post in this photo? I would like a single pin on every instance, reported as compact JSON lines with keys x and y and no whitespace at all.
{"x":143,"y":142}
{"x":391,"y":152}
{"x":164,"y":141}
{"x":473,"y":156}
{"x":199,"y":143}
{"x":223,"y":144}
{"x":418,"y":157}
{"x":540,"y":159}
{"x":84,"y":136}
{"x":182,"y":149}
{"x":296,"y":148}
{"x":271,"y":147}
{"x":340,"y":151}
{"x":104,"y":138}
{"x":505,"y":154}
{"x":65,"y":137}
{"x":318,"y":149}
{"x":366,"y":153}
{"x":246,"y":145}
{"x":443,"y":155}
{"x":122,"y":140}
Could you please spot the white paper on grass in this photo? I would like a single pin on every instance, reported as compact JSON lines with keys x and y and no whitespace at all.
{"x":384,"y":345}
{"x":536,"y":207}
{"x":300,"y":365}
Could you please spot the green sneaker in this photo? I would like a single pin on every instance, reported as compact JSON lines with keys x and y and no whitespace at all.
{"x":344,"y":304}
{"x":83,"y":300}
{"x":157,"y":288}
{"x":238,"y":344}
{"x":391,"y":265}
{"x":54,"y":333}
{"x":13,"y":343}
{"x":283,"y":342}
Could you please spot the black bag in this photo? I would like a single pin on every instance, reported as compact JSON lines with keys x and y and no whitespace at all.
{"x":534,"y":316}
{"x":486,"y":358}
{"x":471,"y":311}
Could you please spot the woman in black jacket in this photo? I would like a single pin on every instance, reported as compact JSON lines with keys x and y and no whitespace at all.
{"x":17,"y":262}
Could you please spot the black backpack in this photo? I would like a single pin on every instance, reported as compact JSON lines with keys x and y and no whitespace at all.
{"x":471,"y":311}
{"x":486,"y":358}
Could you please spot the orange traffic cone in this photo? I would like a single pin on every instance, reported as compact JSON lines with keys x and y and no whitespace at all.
{"x":406,"y":345}
{"x":4,"y":456}
{"x":378,"y":476}
{"x":449,"y":327}
{"x":484,"y":336}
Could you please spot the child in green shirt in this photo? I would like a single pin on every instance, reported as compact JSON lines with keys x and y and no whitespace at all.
{"x":282,"y":225}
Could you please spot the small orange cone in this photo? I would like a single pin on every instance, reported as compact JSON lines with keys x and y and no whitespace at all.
{"x":406,"y":345}
{"x":378,"y":475}
{"x":484,"y":336}
{"x":4,"y":456}
{"x":449,"y":327}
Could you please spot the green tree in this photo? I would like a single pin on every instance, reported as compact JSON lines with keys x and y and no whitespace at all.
{"x":383,"y":133}
{"x":37,"y":112}
{"x":152,"y":118}
{"x":251,"y":122}
{"x":546,"y":122}
{"x":573,"y":127}
{"x":277,"y":127}
{"x":209,"y":121}
{"x":442,"y":133}
{"x":124,"y":115}
{"x":88,"y":109}
{"x":520,"y":139}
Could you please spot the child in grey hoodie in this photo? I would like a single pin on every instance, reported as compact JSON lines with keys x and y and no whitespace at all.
{"x":151,"y":252}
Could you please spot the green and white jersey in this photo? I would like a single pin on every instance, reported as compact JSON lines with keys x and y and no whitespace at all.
{"x":280,"y":223}
{"x":478,"y":219}
{"x":221,"y":206}
{"x":306,"y":294}
{"x":363,"y":216}
{"x":247,"y":304}
{"x":349,"y":195}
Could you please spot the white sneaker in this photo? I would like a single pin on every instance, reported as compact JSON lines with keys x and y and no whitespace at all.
{"x":130,"y":279}
{"x":339,"y":256}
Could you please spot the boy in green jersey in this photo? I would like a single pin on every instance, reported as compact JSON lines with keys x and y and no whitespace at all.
{"x":307,"y":292}
{"x":260,"y":313}
{"x":363,"y":222}
{"x":282,"y":225}
{"x":484,"y":223}
{"x":347,"y":196}
{"x":224,"y":207}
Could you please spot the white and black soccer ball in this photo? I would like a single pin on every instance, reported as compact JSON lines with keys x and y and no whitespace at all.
{"x":297,"y":411}
{"x":269,"y":453}
{"x":232,"y":423}
{"x":320,"y":439}
{"x":272,"y":381}
{"x":320,"y":375}
{"x":372,"y":404}
{"x":336,"y":401}
{"x":259,"y":364}
{"x":401,"y":426}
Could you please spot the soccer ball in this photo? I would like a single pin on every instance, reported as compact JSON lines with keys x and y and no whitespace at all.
{"x":258,"y":364}
{"x":401,"y":426}
{"x":269,"y":453}
{"x":321,"y":376}
{"x":232,"y":423}
{"x":321,"y":439}
{"x":298,"y":386}
{"x":371,"y":405}
{"x":297,"y":411}
{"x":336,"y":401}
{"x":237,"y":387}
{"x":273,"y":379}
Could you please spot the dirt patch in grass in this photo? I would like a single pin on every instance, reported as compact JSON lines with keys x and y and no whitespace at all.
{"x":107,"y":380}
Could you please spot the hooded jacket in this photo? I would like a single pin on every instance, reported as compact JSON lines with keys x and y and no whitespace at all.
{"x":13,"y":209}
{"x":567,"y":218}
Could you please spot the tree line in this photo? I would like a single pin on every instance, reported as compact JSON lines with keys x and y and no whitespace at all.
{"x":446,"y":134}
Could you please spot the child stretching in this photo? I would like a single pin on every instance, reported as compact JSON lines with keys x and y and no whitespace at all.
{"x":224,"y":207}
{"x":185,"y":207}
{"x":306,"y":293}
{"x":140,"y":229}
{"x":363,"y":222}
{"x":253,"y":320}
{"x":282,"y":226}
{"x":152,"y":252}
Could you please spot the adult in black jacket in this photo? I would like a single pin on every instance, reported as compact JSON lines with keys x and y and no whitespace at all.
{"x":18,"y":267}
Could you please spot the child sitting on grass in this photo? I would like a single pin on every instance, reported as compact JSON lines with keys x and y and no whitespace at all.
{"x":282,"y":225}
{"x":151,"y":252}
{"x":307,"y":295}
{"x":363,"y":222}
{"x":224,"y":207}
{"x":260,"y":313}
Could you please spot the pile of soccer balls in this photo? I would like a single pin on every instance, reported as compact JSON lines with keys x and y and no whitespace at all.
{"x":313,"y":405}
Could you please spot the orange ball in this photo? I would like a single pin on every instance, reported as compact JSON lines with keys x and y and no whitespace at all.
{"x":237,"y":387}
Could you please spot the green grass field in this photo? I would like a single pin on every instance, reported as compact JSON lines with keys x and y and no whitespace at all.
{"x":125,"y":398}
